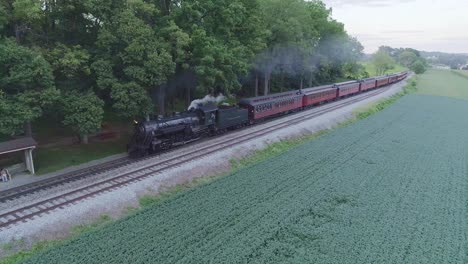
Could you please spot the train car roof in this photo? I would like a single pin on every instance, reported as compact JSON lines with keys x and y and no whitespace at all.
{"x":270,"y":97}
{"x":381,"y":77}
{"x":368,"y":79}
{"x":346,"y":83}
{"x":317,"y":89}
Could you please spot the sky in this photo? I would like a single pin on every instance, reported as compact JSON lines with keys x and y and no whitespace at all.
{"x":429,"y":25}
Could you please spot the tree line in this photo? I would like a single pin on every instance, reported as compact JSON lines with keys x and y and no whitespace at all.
{"x":386,"y":58}
{"x":454,"y":61}
{"x":71,"y":59}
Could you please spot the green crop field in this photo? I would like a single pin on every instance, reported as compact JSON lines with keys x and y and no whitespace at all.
{"x":391,"y":188}
{"x":465,"y":72}
{"x":444,"y":83}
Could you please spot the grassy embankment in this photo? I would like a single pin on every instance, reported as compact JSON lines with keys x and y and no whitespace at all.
{"x":269,"y":152}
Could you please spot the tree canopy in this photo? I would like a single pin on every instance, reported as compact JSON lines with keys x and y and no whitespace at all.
{"x":139,"y":57}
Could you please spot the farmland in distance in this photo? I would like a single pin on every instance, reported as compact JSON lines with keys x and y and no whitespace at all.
{"x":444,"y":83}
{"x":392,"y":188}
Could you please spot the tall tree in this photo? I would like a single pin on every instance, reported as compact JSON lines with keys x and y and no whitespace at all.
{"x":382,"y":62}
{"x":407,"y":58}
{"x":83,"y":112}
{"x":27,"y":85}
{"x":133,"y":60}
{"x":225,"y":37}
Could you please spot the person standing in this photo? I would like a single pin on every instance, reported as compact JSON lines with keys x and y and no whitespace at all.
{"x":3,"y":175}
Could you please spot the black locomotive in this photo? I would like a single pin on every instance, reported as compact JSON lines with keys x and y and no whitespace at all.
{"x":164,"y":133}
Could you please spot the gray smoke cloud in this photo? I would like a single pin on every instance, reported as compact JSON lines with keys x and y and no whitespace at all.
{"x":207,"y":99}
{"x":294,"y":61}
{"x":287,"y":59}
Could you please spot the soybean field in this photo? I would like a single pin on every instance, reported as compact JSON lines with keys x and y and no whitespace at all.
{"x":444,"y":83}
{"x":392,"y":188}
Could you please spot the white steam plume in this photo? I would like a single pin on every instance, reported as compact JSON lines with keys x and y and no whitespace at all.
{"x":207,"y":99}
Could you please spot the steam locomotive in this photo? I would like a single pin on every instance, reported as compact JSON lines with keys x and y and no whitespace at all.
{"x":164,"y":133}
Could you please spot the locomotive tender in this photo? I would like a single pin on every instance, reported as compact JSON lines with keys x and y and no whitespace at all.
{"x":164,"y":133}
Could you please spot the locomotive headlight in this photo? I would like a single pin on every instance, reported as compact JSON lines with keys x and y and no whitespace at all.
{"x":135,"y":122}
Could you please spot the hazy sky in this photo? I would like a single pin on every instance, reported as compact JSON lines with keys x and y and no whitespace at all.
{"x":430,"y":25}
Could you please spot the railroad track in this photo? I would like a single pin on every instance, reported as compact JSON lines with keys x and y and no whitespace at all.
{"x":28,"y":212}
{"x":27,"y":189}
{"x":20,"y":191}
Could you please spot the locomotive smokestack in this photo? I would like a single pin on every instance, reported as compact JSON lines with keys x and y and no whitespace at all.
{"x":207,"y":99}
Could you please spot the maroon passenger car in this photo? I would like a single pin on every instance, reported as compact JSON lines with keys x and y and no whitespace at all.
{"x":348,"y":88}
{"x":368,"y":84}
{"x":393,"y":78}
{"x":317,"y":95}
{"x":382,"y":81}
{"x":402,"y":75}
{"x":273,"y":104}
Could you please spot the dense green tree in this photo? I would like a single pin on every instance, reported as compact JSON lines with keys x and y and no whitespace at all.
{"x":83,"y":113}
{"x":226,"y":35}
{"x":71,"y":66}
{"x":419,"y":67}
{"x":382,"y":62}
{"x":3,"y":17}
{"x":27,"y":84}
{"x":407,"y":58}
{"x":138,"y":54}
{"x":132,"y":56}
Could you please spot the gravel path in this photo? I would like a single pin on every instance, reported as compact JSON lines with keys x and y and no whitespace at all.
{"x":58,"y":223}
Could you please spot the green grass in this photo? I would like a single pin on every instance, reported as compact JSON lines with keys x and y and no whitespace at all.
{"x":57,"y":158}
{"x":443,"y":83}
{"x":370,"y":68}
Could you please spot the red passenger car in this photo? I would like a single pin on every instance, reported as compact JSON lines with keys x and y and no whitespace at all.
{"x":393,"y":78}
{"x":348,"y":88}
{"x":317,"y":95}
{"x":402,"y":75}
{"x":273,"y":104}
{"x":382,"y":81}
{"x":368,"y":84}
